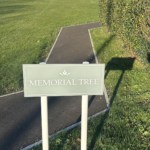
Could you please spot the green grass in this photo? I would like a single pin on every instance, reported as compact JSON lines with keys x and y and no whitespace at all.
{"x":127,"y":125}
{"x":28,"y":30}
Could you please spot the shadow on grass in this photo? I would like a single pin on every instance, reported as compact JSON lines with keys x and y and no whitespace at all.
{"x":66,"y":136}
{"x":11,"y":18}
{"x":122,"y":64}
{"x":109,"y":13}
{"x":148,"y":57}
{"x":12,"y":13}
{"x":11,"y":9}
{"x":91,"y":59}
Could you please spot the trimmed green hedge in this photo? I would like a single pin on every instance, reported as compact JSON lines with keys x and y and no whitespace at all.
{"x":130,"y":19}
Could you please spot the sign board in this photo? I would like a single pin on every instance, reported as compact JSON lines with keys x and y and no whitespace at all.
{"x":63,"y":79}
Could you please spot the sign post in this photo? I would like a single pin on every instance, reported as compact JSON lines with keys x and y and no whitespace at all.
{"x":63,"y":80}
{"x":84,"y":121}
{"x":84,"y":124}
{"x":44,"y":117}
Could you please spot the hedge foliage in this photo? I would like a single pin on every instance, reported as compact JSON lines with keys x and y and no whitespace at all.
{"x":130,"y":19}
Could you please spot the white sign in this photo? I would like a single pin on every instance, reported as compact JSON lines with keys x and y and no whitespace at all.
{"x":63,"y":79}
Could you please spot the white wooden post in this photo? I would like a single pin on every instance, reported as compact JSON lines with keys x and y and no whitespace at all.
{"x":84,"y":120}
{"x":44,"y":115}
{"x":84,"y":123}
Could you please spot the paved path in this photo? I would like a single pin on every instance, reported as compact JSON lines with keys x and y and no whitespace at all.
{"x":20,"y":118}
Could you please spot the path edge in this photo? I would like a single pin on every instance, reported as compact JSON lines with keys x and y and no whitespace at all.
{"x":94,"y":52}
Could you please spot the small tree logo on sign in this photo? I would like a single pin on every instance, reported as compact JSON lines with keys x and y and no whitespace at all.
{"x":64,"y":73}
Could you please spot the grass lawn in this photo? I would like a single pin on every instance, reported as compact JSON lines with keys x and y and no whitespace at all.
{"x":28,"y":29}
{"x":127,"y":125}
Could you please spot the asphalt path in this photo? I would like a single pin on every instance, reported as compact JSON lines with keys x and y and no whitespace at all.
{"x":20,"y":118}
